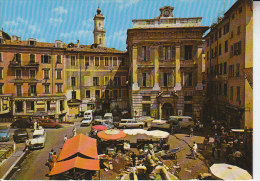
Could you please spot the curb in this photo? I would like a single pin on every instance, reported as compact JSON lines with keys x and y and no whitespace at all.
{"x":11,"y":170}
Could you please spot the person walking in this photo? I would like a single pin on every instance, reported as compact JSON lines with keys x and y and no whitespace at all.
{"x":50,"y":154}
{"x":27,"y":145}
{"x":35,"y":125}
{"x":194,"y":150}
{"x":65,"y":138}
{"x":238,"y":156}
{"x":213,"y":148}
{"x":191,"y":131}
{"x":74,"y":131}
{"x":54,"y":157}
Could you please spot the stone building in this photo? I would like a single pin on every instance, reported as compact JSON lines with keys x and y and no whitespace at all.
{"x":31,"y":78}
{"x":229,"y":66}
{"x":165,"y":65}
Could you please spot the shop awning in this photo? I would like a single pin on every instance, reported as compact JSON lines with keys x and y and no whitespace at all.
{"x":112,"y":134}
{"x":79,"y":144}
{"x":77,"y":162}
{"x":99,"y":127}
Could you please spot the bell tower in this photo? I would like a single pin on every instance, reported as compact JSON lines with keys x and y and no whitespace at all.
{"x":99,"y":29}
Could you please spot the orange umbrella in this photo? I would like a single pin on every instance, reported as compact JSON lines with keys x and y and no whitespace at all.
{"x":77,"y":162}
{"x":79,"y":144}
{"x":112,"y":134}
{"x":99,"y":127}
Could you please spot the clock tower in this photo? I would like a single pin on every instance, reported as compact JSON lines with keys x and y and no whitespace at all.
{"x":166,"y":12}
{"x":99,"y":30}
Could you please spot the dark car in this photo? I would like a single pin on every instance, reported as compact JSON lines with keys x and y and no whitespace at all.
{"x":22,"y":123}
{"x":20,"y":135}
{"x":49,"y":123}
{"x":4,"y":133}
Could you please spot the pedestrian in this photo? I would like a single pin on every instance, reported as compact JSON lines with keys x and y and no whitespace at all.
{"x":54,"y":157}
{"x":65,"y":138}
{"x":191,"y":131}
{"x":27,"y":145}
{"x":228,"y":152}
{"x":133,"y":156}
{"x":213,"y":148}
{"x":35,"y":125}
{"x":212,"y":121}
{"x":201,"y":126}
{"x":74,"y":131}
{"x":206,"y":142}
{"x":50,"y":154}
{"x":194,"y":150}
{"x":238,"y":156}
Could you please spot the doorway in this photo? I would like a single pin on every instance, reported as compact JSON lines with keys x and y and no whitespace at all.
{"x":167,"y":111}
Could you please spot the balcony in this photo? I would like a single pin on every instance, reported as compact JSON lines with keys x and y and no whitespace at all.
{"x":20,"y":80}
{"x":16,"y":64}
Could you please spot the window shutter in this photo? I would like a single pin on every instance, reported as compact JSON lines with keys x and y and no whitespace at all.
{"x":160,"y":53}
{"x":147,"y":53}
{"x":163,"y":53}
{"x":161,"y":79}
{"x":139,"y":52}
{"x":151,"y":78}
{"x":173,"y":52}
{"x":148,"y":79}
{"x":42,"y":57}
{"x":49,"y":59}
{"x":140,"y":80}
{"x":169,"y":80}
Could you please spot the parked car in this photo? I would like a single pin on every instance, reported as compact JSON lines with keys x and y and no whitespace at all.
{"x":108,"y":117}
{"x":130,"y":123}
{"x":184,"y":121}
{"x":22,"y":123}
{"x":20,"y":135}
{"x":4,"y":133}
{"x":38,"y":140}
{"x":147,"y":120}
{"x":169,"y":125}
{"x":100,"y":122}
{"x":49,"y":123}
{"x":86,"y":121}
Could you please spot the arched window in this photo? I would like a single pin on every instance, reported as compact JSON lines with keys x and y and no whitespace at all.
{"x":99,"y":40}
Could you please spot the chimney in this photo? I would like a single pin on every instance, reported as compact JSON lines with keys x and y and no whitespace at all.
{"x":77,"y":43}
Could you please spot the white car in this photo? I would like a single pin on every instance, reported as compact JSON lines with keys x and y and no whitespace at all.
{"x":108,"y":117}
{"x":130,"y":123}
{"x":86,"y":121}
{"x":38,"y":140}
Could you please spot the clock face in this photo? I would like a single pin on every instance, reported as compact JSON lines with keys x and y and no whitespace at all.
{"x":166,"y":13}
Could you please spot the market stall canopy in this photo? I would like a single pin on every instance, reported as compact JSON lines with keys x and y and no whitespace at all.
{"x":99,"y":127}
{"x":158,"y":134}
{"x":77,"y":162}
{"x":229,"y":172}
{"x":134,"y":132}
{"x":112,"y":134}
{"x":79,"y":144}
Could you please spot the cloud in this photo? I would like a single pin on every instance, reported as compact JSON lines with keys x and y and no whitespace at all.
{"x":34,"y":29}
{"x":60,"y":10}
{"x":16,"y":22}
{"x":88,"y":23}
{"x":55,"y":20}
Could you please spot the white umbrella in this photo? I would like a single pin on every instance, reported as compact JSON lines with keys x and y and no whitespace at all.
{"x":229,"y":172}
{"x":158,"y":134}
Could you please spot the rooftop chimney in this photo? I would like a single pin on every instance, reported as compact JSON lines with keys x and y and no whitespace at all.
{"x":77,"y":43}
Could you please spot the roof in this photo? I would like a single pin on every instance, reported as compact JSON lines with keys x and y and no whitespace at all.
{"x":79,"y":144}
{"x":77,"y":162}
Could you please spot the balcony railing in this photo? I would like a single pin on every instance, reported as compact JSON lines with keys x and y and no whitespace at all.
{"x":17,"y":64}
{"x":20,"y":80}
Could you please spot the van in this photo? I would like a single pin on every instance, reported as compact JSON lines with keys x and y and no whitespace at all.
{"x":38,"y":140}
{"x":108,"y":117}
{"x":130,"y":123}
{"x":184,"y":121}
{"x":88,"y":114}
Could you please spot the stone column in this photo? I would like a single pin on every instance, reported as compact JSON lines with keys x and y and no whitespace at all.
{"x":1,"y":105}
{"x":199,"y":70}
{"x":24,"y":107}
{"x":160,"y":110}
{"x":13,"y":107}
{"x":178,"y":68}
{"x":57,"y":107}
{"x":46,"y":107}
{"x":156,"y":68}
{"x":135,"y":72}
{"x":35,"y":109}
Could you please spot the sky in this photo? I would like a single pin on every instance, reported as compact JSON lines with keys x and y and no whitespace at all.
{"x":72,"y":20}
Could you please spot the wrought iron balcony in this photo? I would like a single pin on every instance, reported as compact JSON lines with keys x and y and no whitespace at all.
{"x":17,"y":64}
{"x":21,"y":80}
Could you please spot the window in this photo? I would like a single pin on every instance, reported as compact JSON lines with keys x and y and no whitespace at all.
{"x":167,"y":52}
{"x":146,"y":98}
{"x":220,"y":69}
{"x":187,"y":98}
{"x":48,"y":105}
{"x":106,"y":93}
{"x":32,"y":43}
{"x":240,"y":10}
{"x":190,"y":79}
{"x":73,"y":81}
{"x":225,"y":68}
{"x":122,"y":61}
{"x":165,"y":79}
{"x":116,"y":81}
{"x":87,"y":93}
{"x":32,"y":90}
{"x":86,"y":61}
{"x":144,"y":52}
{"x":59,"y":74}
{"x":216,"y":36}
{"x":146,"y":109}
{"x":46,"y":88}
{"x":226,"y":46}
{"x":212,"y":53}
{"x":115,"y":95}
{"x":58,"y":59}
{"x":32,"y":58}
{"x":220,"y":89}
{"x":106,"y":61}
{"x":97,"y":61}
{"x":1,"y":73}
{"x":114,"y":61}
{"x":19,"y":90}
{"x":231,"y":93}
{"x":219,"y":49}
{"x":226,"y":28}
{"x":106,"y":80}
{"x":59,"y":88}
{"x":219,"y":32}
{"x":238,"y":93}
{"x":97,"y":94}
{"x":18,"y":57}
{"x":188,"y":52}
{"x":216,"y":51}
{"x":238,"y":30}
{"x":144,"y":79}
{"x":231,"y":51}
{"x":96,"y":81}
{"x":232,"y":34}
{"x":61,"y":105}
{"x":45,"y":58}
{"x":225,"y":89}
{"x":18,"y":74}
{"x":73,"y":60}
{"x":46,"y":74}
{"x":123,"y":80}
{"x":1,"y":56}
{"x":233,"y":16}
{"x":207,"y":55}
{"x":2,"y":40}
{"x":188,"y":109}
{"x":32,"y":74}
{"x":238,"y":67}
{"x":1,"y":88}
{"x":73,"y":94}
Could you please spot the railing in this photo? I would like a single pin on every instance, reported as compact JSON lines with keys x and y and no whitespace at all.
{"x":28,"y":80}
{"x":32,"y":64}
